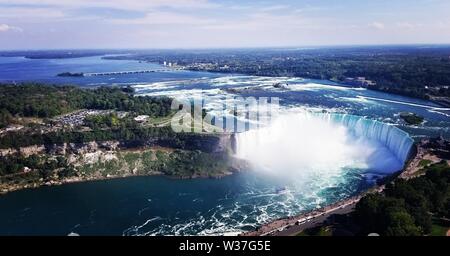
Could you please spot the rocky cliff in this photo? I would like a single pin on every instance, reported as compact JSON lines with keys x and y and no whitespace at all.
{"x":190,"y":156}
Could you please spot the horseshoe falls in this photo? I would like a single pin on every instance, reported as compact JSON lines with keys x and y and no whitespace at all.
{"x":396,"y":140}
{"x":300,"y":143}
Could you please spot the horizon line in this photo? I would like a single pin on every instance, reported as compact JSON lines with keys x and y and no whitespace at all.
{"x":305,"y":47}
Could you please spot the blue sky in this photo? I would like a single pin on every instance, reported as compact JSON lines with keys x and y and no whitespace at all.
{"x":45,"y":24}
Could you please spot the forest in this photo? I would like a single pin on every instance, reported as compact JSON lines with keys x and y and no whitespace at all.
{"x":408,"y":207}
{"x":47,"y":101}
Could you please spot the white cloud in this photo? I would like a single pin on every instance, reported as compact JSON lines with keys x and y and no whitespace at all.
{"x":443,"y":25}
{"x":164,"y":18}
{"x":203,"y":23}
{"x":6,"y":28}
{"x":25,"y":13}
{"x":137,"y":5}
{"x":377,"y":25}
{"x":51,"y":10}
{"x":406,"y":25}
{"x":274,"y":8}
{"x":263,"y":21}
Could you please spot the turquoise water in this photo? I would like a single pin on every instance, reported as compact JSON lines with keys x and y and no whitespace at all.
{"x":163,"y":206}
{"x":159,"y":205}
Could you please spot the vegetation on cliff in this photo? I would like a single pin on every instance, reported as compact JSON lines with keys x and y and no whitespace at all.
{"x":18,"y":172}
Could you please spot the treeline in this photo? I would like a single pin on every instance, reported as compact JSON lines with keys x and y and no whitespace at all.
{"x":415,"y":76}
{"x":5,"y":118}
{"x":132,"y":136}
{"x":44,"y":101}
{"x":108,"y":121}
{"x":22,"y":139}
{"x":407,"y":207}
{"x":57,"y":54}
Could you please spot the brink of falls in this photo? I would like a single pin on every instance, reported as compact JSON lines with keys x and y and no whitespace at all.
{"x":306,"y":142}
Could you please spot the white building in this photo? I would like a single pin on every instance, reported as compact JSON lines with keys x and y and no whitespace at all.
{"x":141,"y":119}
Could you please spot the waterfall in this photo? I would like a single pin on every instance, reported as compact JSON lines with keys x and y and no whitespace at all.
{"x":318,"y":142}
{"x":396,"y":140}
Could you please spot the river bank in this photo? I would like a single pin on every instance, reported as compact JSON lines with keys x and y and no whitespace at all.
{"x":72,"y":180}
{"x":236,"y":167}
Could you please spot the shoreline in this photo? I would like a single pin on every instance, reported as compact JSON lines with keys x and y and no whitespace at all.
{"x":114,"y":177}
{"x":234,"y":166}
{"x":282,"y":225}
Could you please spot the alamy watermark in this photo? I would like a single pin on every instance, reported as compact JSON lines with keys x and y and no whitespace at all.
{"x":229,"y":115}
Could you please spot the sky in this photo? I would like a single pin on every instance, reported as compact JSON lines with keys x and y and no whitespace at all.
{"x":64,"y":24}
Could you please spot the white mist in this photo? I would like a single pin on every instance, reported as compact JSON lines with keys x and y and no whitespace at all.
{"x":305,"y":143}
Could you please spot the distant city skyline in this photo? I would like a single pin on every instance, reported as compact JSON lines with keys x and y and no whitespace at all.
{"x":53,"y":24}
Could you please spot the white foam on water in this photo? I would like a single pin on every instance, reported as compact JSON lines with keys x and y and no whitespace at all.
{"x":318,"y":87}
{"x":405,"y":103}
{"x":439,"y":112}
{"x":357,"y":100}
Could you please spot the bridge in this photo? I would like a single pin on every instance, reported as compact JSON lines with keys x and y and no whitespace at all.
{"x":132,"y":72}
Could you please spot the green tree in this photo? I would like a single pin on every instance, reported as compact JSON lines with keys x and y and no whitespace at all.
{"x":400,"y":223}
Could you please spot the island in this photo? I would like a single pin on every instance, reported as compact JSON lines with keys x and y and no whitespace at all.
{"x":411,"y":118}
{"x":71,"y":74}
{"x":52,"y":135}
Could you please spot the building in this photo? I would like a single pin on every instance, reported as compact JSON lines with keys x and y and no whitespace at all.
{"x":141,"y":118}
{"x":359,"y":81}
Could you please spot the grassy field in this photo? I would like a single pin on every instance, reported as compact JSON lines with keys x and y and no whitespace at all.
{"x":440,"y":227}
{"x":317,"y":231}
{"x":425,"y":162}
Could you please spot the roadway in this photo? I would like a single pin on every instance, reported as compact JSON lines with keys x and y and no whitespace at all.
{"x":132,"y":72}
{"x":288,"y":226}
{"x":293,"y":230}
